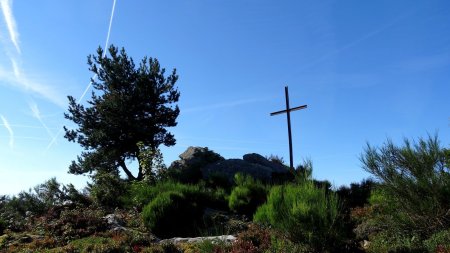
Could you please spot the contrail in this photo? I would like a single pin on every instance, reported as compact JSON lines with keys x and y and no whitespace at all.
{"x":10,"y":131}
{"x":37,"y":115}
{"x":17,"y":76}
{"x":109,"y":28}
{"x":10,"y":22}
{"x":104,"y":51}
{"x":94,"y":77}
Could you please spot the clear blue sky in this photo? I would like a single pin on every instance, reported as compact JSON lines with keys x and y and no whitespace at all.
{"x":368,"y":70}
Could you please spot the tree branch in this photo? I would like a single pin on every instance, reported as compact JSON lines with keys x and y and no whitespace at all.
{"x":126,"y":170}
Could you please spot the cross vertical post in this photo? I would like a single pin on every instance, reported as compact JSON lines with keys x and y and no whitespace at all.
{"x":288,"y":114}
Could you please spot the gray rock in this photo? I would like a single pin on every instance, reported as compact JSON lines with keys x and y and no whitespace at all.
{"x":261,"y":160}
{"x":114,"y":222}
{"x":207,"y":163}
{"x":196,"y":157}
{"x":221,"y":238}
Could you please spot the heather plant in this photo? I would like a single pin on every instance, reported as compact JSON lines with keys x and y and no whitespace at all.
{"x":387,"y":241}
{"x":74,"y":223}
{"x":97,"y":244}
{"x":438,"y":242}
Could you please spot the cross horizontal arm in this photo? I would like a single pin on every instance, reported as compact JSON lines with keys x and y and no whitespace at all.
{"x":290,"y":110}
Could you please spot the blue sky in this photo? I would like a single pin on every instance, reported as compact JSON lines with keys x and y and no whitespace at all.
{"x":368,"y":70}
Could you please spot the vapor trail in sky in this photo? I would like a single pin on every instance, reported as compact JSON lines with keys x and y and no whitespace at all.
{"x":104,"y":52}
{"x":37,"y":114}
{"x":10,"y":22}
{"x":17,"y":77}
{"x":94,"y":77}
{"x":10,"y":131}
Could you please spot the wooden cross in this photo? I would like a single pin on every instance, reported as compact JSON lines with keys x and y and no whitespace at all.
{"x":288,"y":113}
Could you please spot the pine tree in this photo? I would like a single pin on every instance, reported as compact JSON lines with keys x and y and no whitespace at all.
{"x":130,"y":105}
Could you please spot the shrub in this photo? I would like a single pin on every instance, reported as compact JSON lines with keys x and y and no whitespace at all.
{"x":307,"y":213}
{"x":218,"y":180}
{"x":395,"y":243}
{"x":97,"y":244}
{"x":357,"y":195}
{"x":161,"y":248}
{"x":107,"y":189}
{"x":255,"y":237}
{"x":438,"y":242}
{"x":247,"y":195}
{"x":142,"y":193}
{"x":75,"y":223}
{"x":172,"y":214}
{"x":284,"y":245}
{"x":415,"y":180}
{"x":3,"y":225}
{"x":151,"y":162}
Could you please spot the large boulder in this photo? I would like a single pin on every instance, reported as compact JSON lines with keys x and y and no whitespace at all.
{"x":261,"y":160}
{"x":187,"y":168}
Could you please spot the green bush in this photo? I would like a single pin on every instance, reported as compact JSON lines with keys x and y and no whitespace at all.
{"x":284,"y":245}
{"x":74,"y":223}
{"x":438,"y":242}
{"x":218,"y":180}
{"x":396,"y":243}
{"x":414,"y":178}
{"x":247,"y":195}
{"x":172,"y":214}
{"x":142,"y":193}
{"x":307,"y":213}
{"x":108,"y":189}
{"x":96,"y":244}
{"x":173,"y":208}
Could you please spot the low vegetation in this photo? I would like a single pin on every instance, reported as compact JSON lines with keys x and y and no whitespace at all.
{"x":405,"y":210}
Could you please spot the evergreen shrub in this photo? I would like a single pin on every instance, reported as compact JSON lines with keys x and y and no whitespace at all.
{"x":108,"y":189}
{"x":247,"y":195}
{"x":415,"y":180}
{"x":172,"y":214}
{"x":308,"y":214}
{"x":438,"y":242}
{"x":142,"y":193}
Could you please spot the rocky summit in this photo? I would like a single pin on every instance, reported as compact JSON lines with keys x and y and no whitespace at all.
{"x":210,"y":163}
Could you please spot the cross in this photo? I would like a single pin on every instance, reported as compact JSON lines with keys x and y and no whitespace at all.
{"x":288,"y":113}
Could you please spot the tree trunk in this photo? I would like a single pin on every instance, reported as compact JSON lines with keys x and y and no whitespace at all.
{"x":140,"y":174}
{"x":126,"y":170}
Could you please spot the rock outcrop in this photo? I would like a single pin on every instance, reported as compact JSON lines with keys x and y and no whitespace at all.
{"x":207,"y":163}
{"x":196,"y":157}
